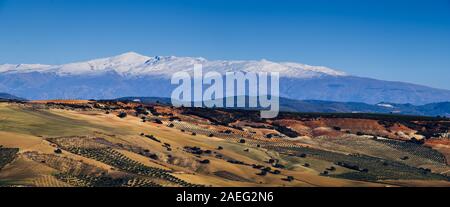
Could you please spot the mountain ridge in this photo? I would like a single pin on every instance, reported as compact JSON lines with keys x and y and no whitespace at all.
{"x":132,"y":63}
{"x":132,"y":74}
{"x":318,"y":106}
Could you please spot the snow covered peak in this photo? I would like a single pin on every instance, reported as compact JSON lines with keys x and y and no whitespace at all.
{"x":130,"y":57}
{"x":121,"y":64}
{"x":134,"y":64}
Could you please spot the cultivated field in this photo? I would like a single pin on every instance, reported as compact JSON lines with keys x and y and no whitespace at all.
{"x":81,"y":143}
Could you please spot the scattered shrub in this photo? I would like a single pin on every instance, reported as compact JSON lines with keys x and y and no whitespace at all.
{"x":289,"y":178}
{"x":262,"y":173}
{"x":278,"y":165}
{"x":276,"y":172}
{"x":153,"y":138}
{"x":404,"y":158}
{"x":122,"y":114}
{"x":204,"y":161}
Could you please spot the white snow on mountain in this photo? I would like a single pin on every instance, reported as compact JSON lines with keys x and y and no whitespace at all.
{"x":385,"y":105}
{"x":23,"y":67}
{"x":132,"y":74}
{"x":134,"y":64}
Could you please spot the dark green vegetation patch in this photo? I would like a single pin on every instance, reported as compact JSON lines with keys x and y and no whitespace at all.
{"x":365,"y":168}
{"x":7,"y":155}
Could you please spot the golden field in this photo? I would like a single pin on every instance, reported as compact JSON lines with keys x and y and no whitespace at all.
{"x":65,"y":146}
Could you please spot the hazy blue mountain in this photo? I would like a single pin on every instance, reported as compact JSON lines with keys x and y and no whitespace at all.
{"x":7,"y":96}
{"x":433,"y":109}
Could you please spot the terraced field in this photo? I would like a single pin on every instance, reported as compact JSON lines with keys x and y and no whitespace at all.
{"x":422,"y":157}
{"x":416,"y":149}
{"x":101,"y":151}
{"x":104,"y":181}
{"x":364,"y":167}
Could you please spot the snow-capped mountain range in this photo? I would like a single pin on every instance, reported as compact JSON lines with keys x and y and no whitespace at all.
{"x":134,"y":64}
{"x":132,"y":74}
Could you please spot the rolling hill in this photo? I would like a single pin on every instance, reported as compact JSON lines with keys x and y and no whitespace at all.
{"x":81,"y":143}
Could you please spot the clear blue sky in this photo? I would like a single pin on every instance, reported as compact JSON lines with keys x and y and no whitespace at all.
{"x":386,"y":39}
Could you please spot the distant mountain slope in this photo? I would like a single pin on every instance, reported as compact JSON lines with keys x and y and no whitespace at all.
{"x":7,"y":96}
{"x":433,"y":109}
{"x":358,"y":89}
{"x":131,"y":74}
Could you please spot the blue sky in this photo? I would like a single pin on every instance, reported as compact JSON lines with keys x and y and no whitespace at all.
{"x":393,"y":40}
